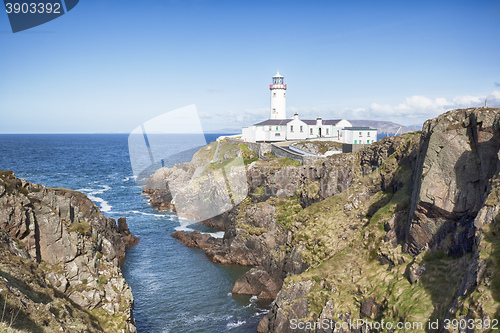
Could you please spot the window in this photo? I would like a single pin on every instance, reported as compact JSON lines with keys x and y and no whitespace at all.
{"x":368,"y":134}
{"x":301,"y":129}
{"x":291,"y":128}
{"x":274,"y":110}
{"x":269,"y":127}
{"x":277,"y":134}
{"x":327,"y":131}
{"x":311,"y":131}
{"x":277,"y":128}
{"x":367,"y":141}
{"x":355,"y":141}
{"x":360,"y":133}
{"x":284,"y":95}
{"x":274,"y":94}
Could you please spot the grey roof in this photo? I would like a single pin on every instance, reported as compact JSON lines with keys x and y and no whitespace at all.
{"x":331,"y":121}
{"x":323,"y":122}
{"x":359,"y":128}
{"x":273,"y":122}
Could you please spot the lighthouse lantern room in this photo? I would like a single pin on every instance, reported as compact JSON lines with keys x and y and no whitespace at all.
{"x":278,"y":97}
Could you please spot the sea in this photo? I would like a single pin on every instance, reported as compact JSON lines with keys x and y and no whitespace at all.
{"x":175,"y":288}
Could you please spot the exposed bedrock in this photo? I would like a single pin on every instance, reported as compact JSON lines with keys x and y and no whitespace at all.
{"x":73,"y":245}
{"x":458,"y":157}
{"x":406,"y":228}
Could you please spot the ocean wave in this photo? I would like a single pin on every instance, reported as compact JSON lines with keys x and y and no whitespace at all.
{"x":91,"y":193}
{"x":126,"y":179}
{"x":236,"y":324}
{"x":105,"y":206}
{"x":260,"y":312}
{"x":147,"y":214}
{"x":183,"y":228}
{"x":218,"y":234}
{"x":189,"y":319}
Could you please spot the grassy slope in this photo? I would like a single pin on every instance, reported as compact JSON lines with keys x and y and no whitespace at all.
{"x":342,"y":247}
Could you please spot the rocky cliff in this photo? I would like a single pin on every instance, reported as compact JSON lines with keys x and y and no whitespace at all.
{"x":404,"y":230}
{"x":60,"y":261}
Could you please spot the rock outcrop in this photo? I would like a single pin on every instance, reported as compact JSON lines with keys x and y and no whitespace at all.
{"x":74,"y":253}
{"x":458,"y":158}
{"x":406,"y":229}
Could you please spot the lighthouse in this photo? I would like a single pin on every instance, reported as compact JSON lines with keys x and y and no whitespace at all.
{"x":278,"y":97}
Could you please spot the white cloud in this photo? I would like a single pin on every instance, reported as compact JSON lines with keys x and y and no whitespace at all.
{"x":420,"y":108}
{"x":414,"y":109}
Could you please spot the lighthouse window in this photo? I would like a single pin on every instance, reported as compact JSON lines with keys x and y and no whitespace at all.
{"x":284,"y":95}
{"x":274,"y":110}
{"x":274,"y":94}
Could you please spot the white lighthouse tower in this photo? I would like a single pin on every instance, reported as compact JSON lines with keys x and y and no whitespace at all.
{"x":278,"y":97}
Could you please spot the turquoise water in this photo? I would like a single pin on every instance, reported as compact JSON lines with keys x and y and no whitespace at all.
{"x":176,"y":288}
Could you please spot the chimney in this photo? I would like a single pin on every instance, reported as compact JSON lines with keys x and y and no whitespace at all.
{"x":296,"y":116}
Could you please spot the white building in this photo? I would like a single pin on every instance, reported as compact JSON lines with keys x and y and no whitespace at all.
{"x":279,"y":128}
{"x":278,"y":97}
{"x":360,"y":135}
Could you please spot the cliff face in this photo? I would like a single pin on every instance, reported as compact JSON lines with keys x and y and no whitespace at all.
{"x":455,"y":164}
{"x":67,"y":277}
{"x":428,"y":247}
{"x":404,"y":230}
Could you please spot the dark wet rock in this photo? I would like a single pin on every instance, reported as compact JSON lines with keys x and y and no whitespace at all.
{"x":256,"y":282}
{"x":197,"y":239}
{"x":127,"y":237}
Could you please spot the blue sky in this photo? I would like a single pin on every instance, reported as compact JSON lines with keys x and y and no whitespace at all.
{"x":108,"y":66}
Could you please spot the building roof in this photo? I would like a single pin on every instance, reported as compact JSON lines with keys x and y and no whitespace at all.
{"x":331,"y":121}
{"x":273,"y":122}
{"x":323,"y":122}
{"x":307,"y":121}
{"x":278,"y":74}
{"x":359,"y":129}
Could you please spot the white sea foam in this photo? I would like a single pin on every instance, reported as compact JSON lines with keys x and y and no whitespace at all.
{"x":253,"y":298}
{"x":236,"y":324}
{"x":190,"y":320}
{"x":105,"y":206}
{"x":91,"y":193}
{"x":183,"y":228}
{"x":147,"y":214}
{"x":218,"y":234}
{"x":126,"y":179}
{"x":260,"y":312}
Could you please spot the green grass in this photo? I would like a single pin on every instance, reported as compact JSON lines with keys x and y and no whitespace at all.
{"x":83,"y":228}
{"x":249,"y":156}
